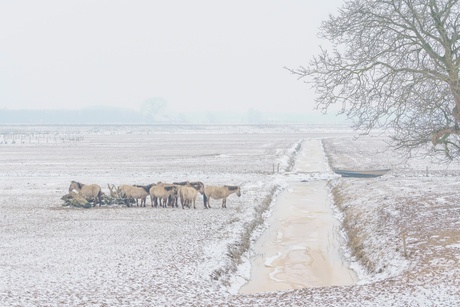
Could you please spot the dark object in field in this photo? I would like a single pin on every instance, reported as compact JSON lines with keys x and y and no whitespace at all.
{"x":361,"y":173}
{"x":76,"y":200}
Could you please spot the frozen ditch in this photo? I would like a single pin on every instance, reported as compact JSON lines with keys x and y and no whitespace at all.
{"x":301,"y":247}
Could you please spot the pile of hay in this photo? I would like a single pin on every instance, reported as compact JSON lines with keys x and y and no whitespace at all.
{"x":77,"y":200}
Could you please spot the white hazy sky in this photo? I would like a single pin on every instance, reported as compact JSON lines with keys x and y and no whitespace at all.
{"x":210,"y":55}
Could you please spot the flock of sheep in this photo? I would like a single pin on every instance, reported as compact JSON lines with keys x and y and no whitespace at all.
{"x":161,"y":194}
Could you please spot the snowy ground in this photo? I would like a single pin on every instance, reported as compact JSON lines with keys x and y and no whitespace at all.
{"x":50,"y":255}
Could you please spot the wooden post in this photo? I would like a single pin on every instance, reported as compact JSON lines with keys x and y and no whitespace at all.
{"x":404,"y":244}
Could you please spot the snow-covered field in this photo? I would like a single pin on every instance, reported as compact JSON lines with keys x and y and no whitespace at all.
{"x":53,"y":256}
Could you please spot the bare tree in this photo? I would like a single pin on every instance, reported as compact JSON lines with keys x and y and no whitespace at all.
{"x":394,"y":64}
{"x":152,"y":108}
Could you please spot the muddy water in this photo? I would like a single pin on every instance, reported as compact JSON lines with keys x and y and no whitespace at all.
{"x":301,"y":247}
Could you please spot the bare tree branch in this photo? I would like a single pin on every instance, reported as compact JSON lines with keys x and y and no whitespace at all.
{"x":393,"y":64}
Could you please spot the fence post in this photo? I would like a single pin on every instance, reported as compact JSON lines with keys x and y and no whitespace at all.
{"x":404,"y":244}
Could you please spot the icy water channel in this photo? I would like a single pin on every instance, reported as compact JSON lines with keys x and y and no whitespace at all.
{"x":301,"y":247}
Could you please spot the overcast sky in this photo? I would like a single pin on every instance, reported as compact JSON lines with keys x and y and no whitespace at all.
{"x":197,"y":55}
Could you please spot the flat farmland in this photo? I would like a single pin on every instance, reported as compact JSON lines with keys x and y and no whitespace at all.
{"x":401,"y":230}
{"x":113,"y":255}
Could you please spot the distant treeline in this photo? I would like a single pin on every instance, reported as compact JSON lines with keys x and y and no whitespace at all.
{"x":82,"y":116}
{"x":107,"y":115}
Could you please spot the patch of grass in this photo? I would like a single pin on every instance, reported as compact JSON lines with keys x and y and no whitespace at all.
{"x":292,"y":158}
{"x":353,"y":229}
